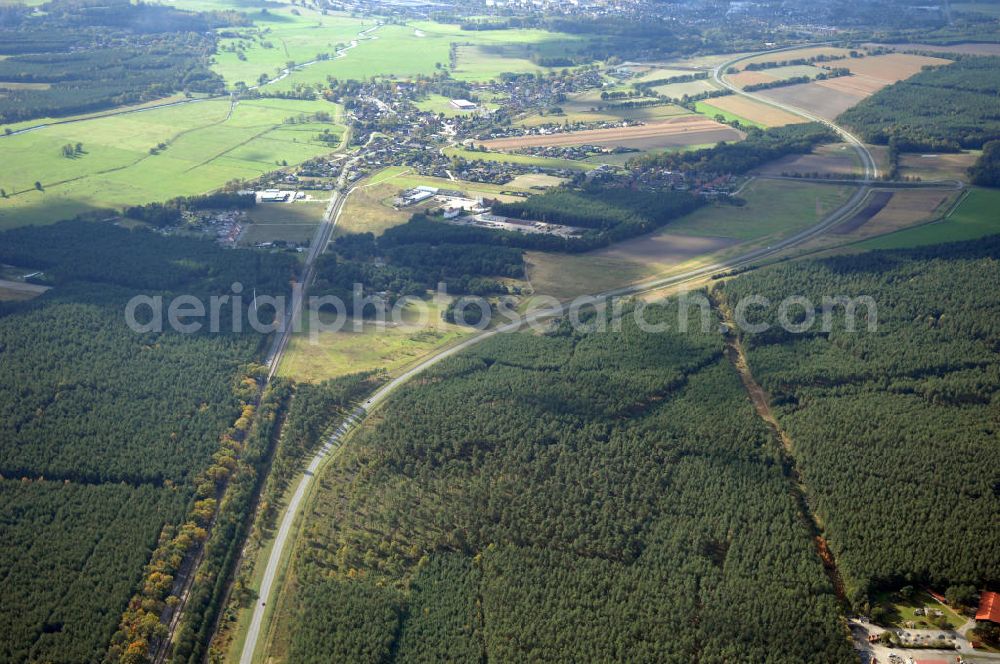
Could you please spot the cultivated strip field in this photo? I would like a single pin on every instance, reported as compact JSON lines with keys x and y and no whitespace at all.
{"x":755,"y":111}
{"x":689,"y":130}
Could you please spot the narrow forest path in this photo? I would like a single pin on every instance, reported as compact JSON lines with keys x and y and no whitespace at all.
{"x":736,"y":355}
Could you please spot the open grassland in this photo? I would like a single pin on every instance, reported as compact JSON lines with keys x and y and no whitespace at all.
{"x":754,"y":112}
{"x":207,"y":145}
{"x":688,"y":130}
{"x":531,"y":160}
{"x":369,"y":209}
{"x":938,"y":166}
{"x":287,"y":37}
{"x":288,"y":222}
{"x":836,"y":158}
{"x":35,"y":122}
{"x":566,"y":276}
{"x":773,"y":210}
{"x":392,"y":348}
{"x":975,"y":217}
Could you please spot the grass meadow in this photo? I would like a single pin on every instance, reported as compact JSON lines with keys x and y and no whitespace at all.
{"x":206,"y":147}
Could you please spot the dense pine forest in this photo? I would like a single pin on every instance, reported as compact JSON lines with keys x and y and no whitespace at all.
{"x":87,"y":56}
{"x":895,"y":430}
{"x":947,"y":108}
{"x":105,"y":433}
{"x":570,"y":496}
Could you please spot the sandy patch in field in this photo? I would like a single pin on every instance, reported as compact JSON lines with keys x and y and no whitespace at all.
{"x":755,"y":111}
{"x":814,"y":98}
{"x":837,"y":159}
{"x":688,"y":130}
{"x":745,"y":78}
{"x":965,"y":49}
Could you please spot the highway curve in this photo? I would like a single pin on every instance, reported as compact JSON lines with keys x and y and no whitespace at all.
{"x":842,"y":213}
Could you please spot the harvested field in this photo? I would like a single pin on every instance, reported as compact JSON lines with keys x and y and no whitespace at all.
{"x":878,"y":200}
{"x":892,"y":67}
{"x":907,"y":207}
{"x":536,"y":181}
{"x":830,"y":98}
{"x":964,"y":49}
{"x":814,"y":98}
{"x":745,"y":78}
{"x":836,"y":159}
{"x":688,"y":130}
{"x":19,"y":290}
{"x":755,"y":111}
{"x":691,"y":88}
{"x":854,"y":85}
{"x":937,"y":166}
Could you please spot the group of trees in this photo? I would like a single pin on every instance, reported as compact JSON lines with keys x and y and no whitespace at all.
{"x":85,"y":57}
{"x":894,"y":428}
{"x":986,"y":171}
{"x":941,"y":109}
{"x":760,"y":147}
{"x":167,"y":214}
{"x":613,"y":213}
{"x":573,"y":496}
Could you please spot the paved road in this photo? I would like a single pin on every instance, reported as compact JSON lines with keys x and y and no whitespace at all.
{"x":295,"y":503}
{"x":719,"y":75}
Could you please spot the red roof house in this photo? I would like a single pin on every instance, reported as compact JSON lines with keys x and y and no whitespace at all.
{"x":989,"y":607}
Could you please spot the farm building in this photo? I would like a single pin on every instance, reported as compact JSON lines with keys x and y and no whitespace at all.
{"x":463,"y":104}
{"x":274,"y":196}
{"x":416,"y":195}
{"x":989,"y":607}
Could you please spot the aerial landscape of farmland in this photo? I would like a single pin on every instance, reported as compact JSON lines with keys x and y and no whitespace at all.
{"x":493,"y":330}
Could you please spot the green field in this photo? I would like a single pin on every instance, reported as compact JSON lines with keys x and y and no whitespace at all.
{"x":773,"y":208}
{"x":691,"y":88}
{"x":284,"y":37}
{"x":291,"y":222}
{"x":206,"y":147}
{"x":711,"y":111}
{"x":975,"y":217}
{"x":344,"y":352}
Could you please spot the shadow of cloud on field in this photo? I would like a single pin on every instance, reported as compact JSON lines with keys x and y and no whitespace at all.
{"x":48,"y":210}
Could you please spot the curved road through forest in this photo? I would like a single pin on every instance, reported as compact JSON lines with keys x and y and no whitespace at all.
{"x":842,"y":213}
